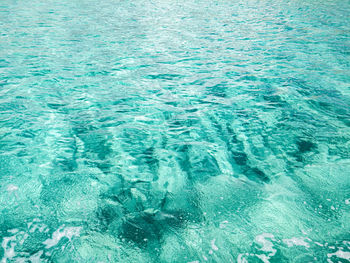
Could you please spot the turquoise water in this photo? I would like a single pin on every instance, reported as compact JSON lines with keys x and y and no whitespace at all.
{"x":175,"y":131}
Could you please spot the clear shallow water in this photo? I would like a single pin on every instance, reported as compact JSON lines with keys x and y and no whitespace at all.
{"x":190,"y":131}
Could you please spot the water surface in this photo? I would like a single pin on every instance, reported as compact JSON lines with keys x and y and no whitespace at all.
{"x":175,"y":131}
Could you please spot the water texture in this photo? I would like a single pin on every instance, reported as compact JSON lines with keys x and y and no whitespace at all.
{"x":175,"y":131}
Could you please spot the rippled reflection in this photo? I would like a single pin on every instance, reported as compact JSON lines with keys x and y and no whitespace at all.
{"x":181,"y":131}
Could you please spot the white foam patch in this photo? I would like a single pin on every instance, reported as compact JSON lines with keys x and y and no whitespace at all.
{"x":340,"y":254}
{"x":241,"y":257}
{"x":36,"y":258}
{"x":294,"y":241}
{"x":61,"y":232}
{"x":12,"y":188}
{"x":13,"y":231}
{"x":267,"y":245}
{"x":9,"y":248}
{"x":213,"y":246}
{"x":142,"y":118}
{"x":319,"y":244}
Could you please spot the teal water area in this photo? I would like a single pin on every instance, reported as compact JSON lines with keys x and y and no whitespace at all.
{"x":175,"y":131}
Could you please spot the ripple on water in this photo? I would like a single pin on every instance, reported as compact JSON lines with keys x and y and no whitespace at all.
{"x":188,"y":131}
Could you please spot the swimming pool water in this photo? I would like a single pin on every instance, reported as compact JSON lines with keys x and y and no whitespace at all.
{"x":175,"y":131}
